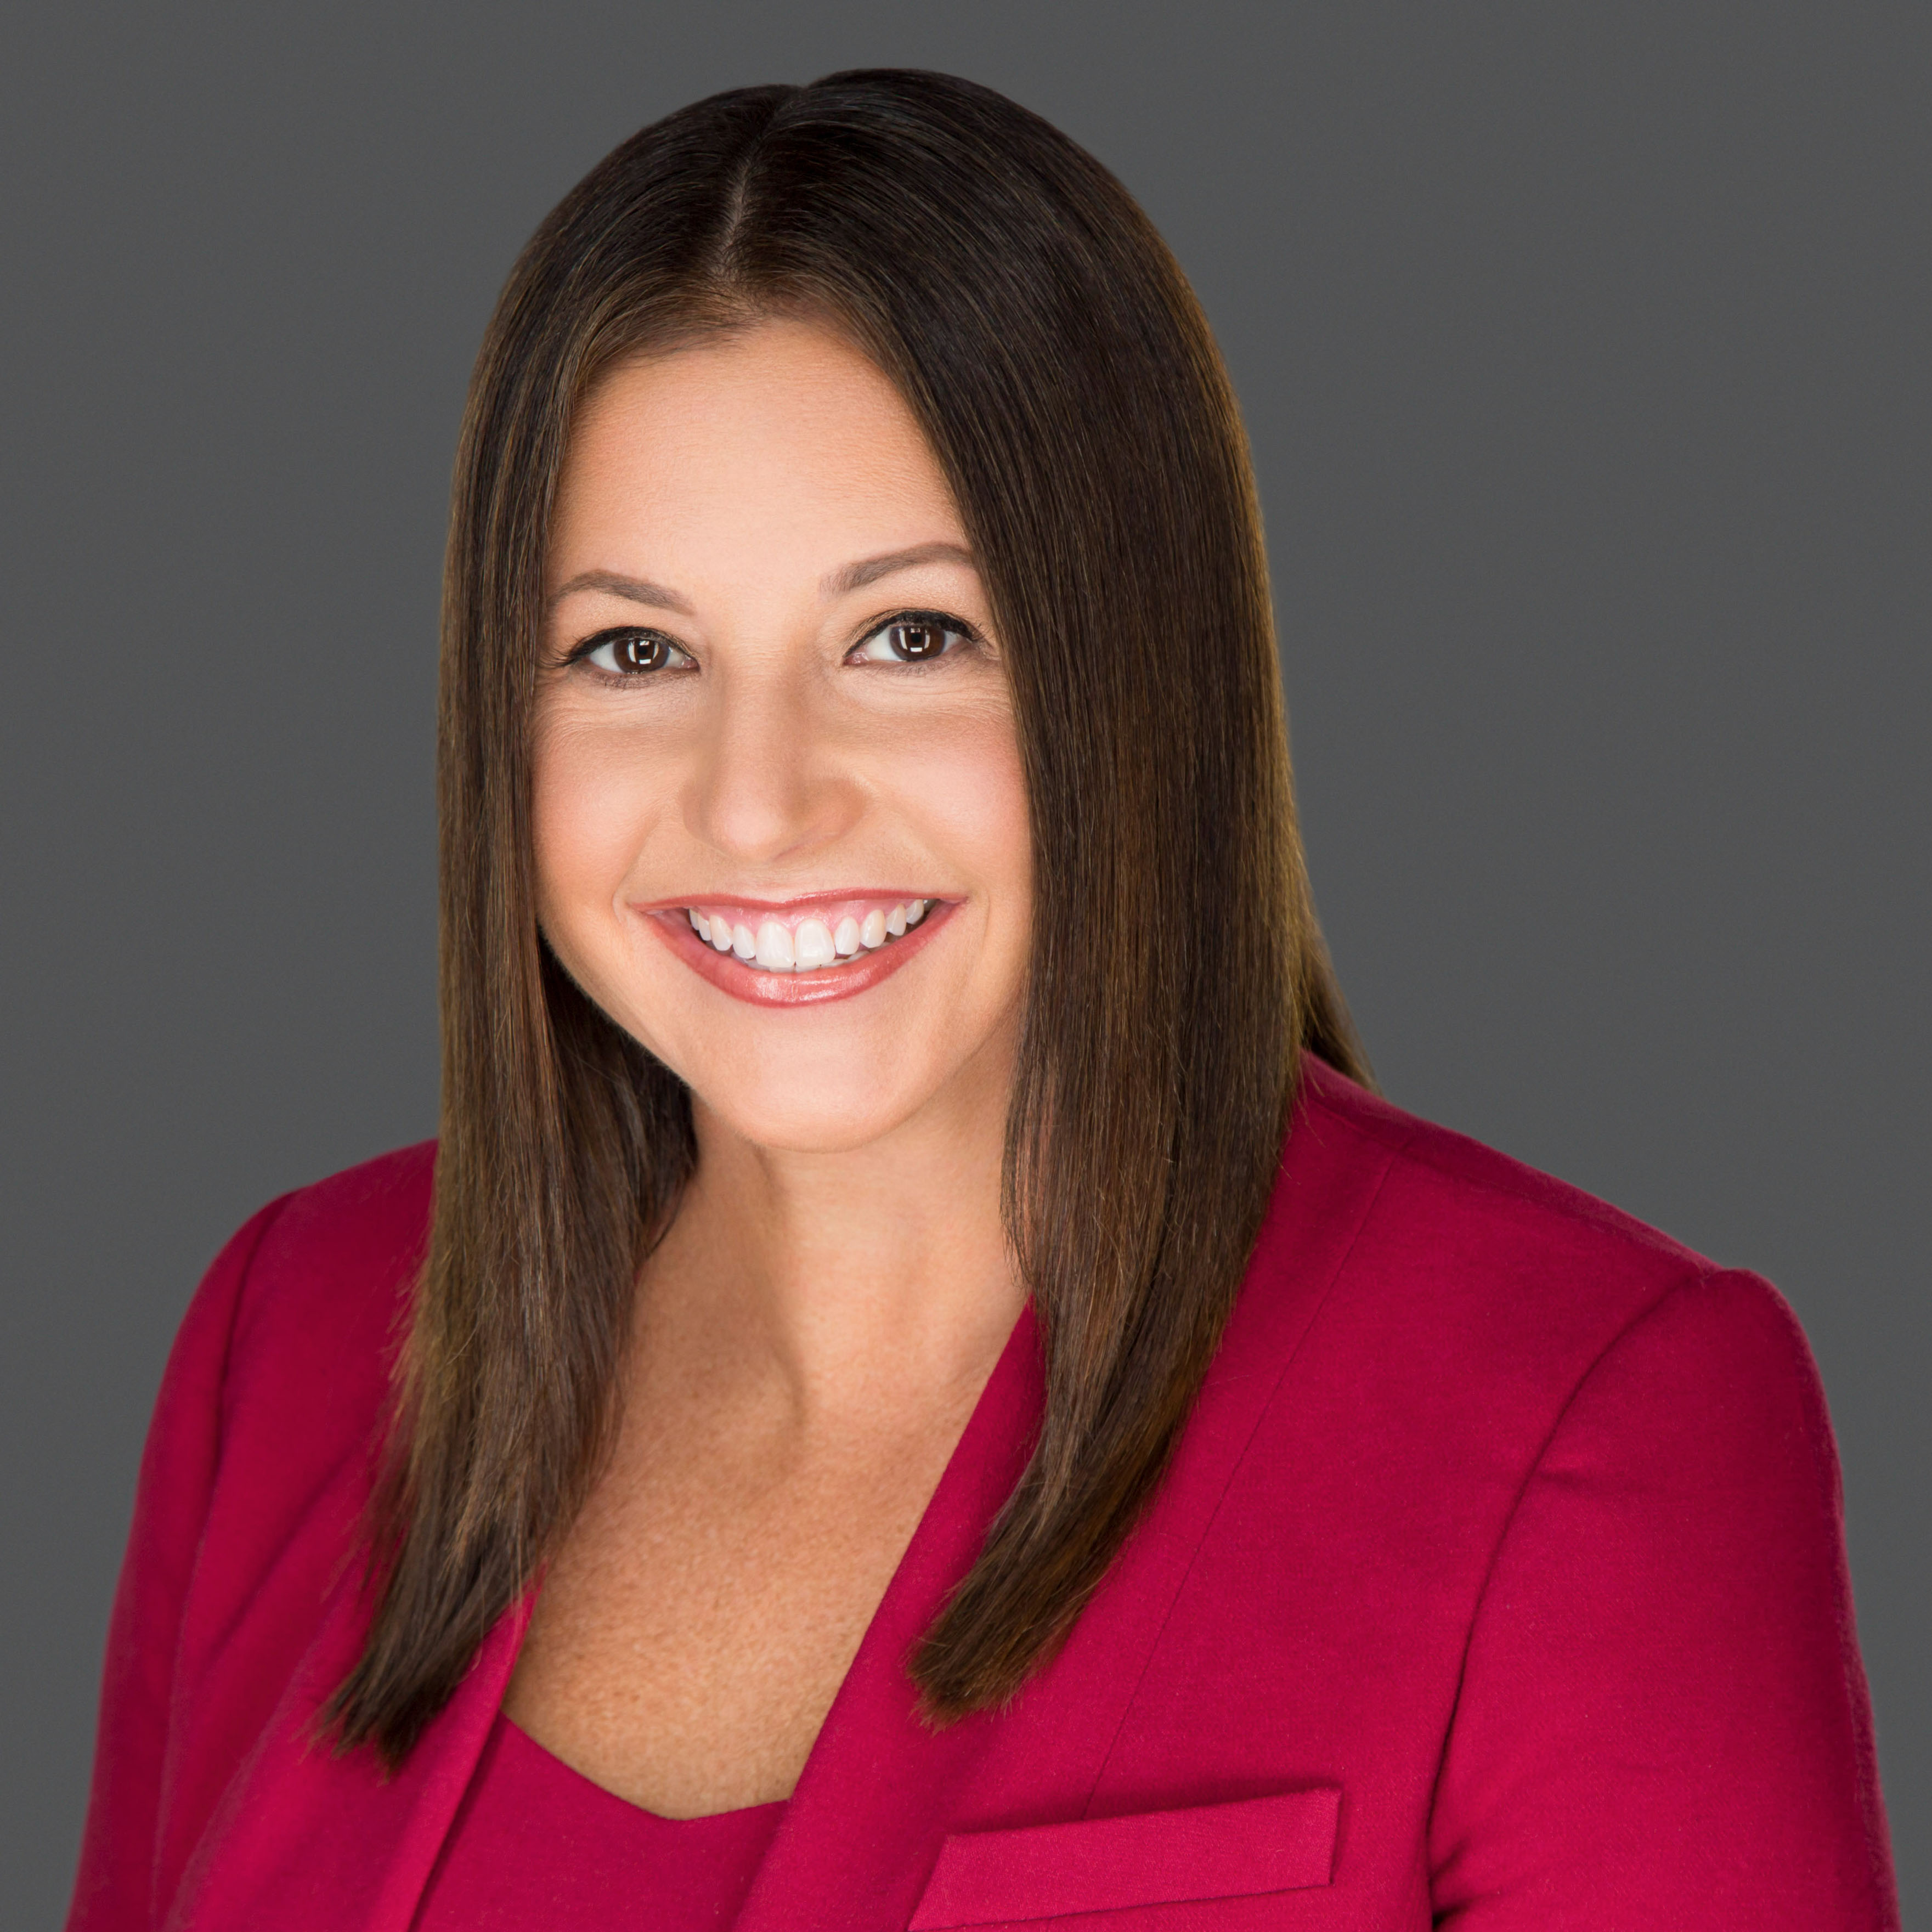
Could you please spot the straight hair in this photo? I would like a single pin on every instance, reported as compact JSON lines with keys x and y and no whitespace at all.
{"x":1050,"y":349}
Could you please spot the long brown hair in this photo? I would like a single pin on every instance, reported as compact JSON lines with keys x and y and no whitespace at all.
{"x":1048,"y":343}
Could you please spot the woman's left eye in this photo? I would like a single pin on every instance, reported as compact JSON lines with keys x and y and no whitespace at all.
{"x":630,"y":653}
{"x":913,"y":636}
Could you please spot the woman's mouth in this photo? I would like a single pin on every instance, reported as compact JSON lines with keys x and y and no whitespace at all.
{"x":801,"y":952}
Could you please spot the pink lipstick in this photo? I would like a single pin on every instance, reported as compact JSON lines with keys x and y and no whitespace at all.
{"x":801,"y":952}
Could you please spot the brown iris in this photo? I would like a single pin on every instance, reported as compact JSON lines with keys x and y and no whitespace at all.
{"x":915,"y":641}
{"x":639,"y":651}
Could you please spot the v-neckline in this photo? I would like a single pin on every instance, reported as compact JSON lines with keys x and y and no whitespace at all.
{"x":561,"y":1771}
{"x":1015,"y":1386}
{"x":874,"y":1717}
{"x":956,"y":1509}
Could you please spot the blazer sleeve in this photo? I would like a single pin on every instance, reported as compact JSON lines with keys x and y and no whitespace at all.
{"x":114,"y":1890}
{"x":1663,"y":1720}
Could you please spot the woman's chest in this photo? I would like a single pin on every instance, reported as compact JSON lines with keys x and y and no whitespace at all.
{"x":693,"y":1630}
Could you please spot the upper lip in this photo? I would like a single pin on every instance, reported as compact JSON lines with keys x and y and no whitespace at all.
{"x":804,"y":902}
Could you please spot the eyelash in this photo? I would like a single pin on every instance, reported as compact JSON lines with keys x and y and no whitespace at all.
{"x":621,"y":634}
{"x":942,"y":621}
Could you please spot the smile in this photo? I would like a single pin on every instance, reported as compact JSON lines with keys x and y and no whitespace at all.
{"x":804,"y":952}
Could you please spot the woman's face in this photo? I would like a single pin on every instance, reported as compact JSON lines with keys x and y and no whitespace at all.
{"x":781,"y":828}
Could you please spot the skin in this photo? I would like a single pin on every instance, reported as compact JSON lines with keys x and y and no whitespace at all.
{"x":812,"y":1333}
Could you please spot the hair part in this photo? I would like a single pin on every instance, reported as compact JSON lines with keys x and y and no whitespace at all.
{"x":1053,"y":353}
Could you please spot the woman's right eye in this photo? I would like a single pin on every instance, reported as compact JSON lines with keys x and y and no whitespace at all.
{"x":629,"y":653}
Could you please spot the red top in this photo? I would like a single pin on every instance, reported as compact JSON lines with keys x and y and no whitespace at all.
{"x":1497,"y":1583}
{"x":536,"y":1844}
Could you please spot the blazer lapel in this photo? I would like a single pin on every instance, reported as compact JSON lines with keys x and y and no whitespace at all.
{"x":307,"y":1841}
{"x":1075,"y":1710}
{"x":878,"y":1778}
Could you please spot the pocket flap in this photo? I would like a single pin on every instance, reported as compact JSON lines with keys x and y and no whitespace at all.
{"x":1148,"y":1857}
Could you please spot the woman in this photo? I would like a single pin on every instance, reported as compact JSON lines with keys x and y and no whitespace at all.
{"x":924,"y":1390}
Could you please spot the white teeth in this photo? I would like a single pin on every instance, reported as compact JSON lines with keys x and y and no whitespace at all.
{"x":774,"y":950}
{"x":814,"y":945}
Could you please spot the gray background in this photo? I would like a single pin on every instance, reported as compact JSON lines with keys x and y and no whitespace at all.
{"x":1585,"y":352}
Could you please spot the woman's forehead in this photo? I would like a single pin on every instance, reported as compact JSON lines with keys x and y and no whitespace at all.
{"x":780,"y":442}
{"x":782,"y":390}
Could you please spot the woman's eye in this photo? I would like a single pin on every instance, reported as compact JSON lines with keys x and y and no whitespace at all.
{"x":915,"y":638}
{"x":630,"y":653}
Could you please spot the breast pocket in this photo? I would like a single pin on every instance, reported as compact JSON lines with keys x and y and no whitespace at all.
{"x":1260,"y":1845}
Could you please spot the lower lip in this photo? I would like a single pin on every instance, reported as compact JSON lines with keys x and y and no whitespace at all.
{"x":730,"y":974}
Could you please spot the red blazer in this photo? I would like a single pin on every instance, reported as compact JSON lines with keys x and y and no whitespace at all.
{"x":1498,"y":1582}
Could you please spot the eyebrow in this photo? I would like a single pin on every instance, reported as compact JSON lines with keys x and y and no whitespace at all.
{"x":839,"y":582}
{"x":869,"y":570}
{"x":632,"y":589}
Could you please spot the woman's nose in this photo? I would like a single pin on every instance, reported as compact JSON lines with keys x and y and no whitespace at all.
{"x":768,"y":783}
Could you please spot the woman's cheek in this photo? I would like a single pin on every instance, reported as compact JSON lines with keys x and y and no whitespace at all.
{"x":590,"y":805}
{"x":985,"y":788}
{"x":965,"y":782}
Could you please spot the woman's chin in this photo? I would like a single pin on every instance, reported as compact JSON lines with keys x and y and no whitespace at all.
{"x":812,"y":1102}
{"x":819,"y":1122}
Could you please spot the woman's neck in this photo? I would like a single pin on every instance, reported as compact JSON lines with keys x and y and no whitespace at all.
{"x":833,"y":1285}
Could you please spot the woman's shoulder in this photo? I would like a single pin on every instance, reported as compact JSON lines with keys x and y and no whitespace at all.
{"x":329,"y":1273}
{"x":267,"y":1434}
{"x":1466,"y":1213}
{"x":294,"y":1329}
{"x":1452,"y":1259}
{"x":1557,"y":1492}
{"x":1456,"y":1186}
